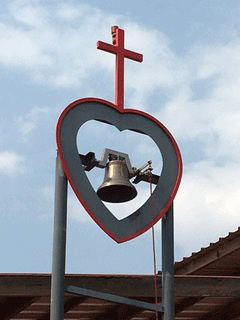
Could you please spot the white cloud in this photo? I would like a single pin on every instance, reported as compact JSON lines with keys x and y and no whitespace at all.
{"x":11,"y":163}
{"x":30,"y":121}
{"x":161,"y":67}
{"x":207,"y":205}
{"x":61,"y":51}
{"x":20,"y":49}
{"x":72,"y":13}
{"x":212,"y":119}
{"x":30,"y":14}
{"x":48,"y":45}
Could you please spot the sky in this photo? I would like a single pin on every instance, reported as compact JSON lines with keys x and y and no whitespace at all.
{"x":189,"y":80}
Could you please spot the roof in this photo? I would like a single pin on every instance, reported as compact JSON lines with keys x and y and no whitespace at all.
{"x":207,"y":286}
{"x":221,"y":258}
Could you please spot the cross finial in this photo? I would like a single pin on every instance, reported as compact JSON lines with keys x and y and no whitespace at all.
{"x":118,"y":49}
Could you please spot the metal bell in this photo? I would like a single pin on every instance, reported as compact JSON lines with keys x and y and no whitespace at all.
{"x":116,"y":186}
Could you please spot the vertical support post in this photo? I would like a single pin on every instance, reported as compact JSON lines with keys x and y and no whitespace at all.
{"x":168,"y":265}
{"x":59,"y":244}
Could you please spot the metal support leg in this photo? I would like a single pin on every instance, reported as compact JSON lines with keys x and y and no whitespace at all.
{"x":168,"y":266}
{"x":59,"y":244}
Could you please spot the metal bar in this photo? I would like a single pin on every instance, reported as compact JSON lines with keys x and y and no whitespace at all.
{"x":143,"y":176}
{"x":59,"y":244}
{"x":168,"y":265}
{"x":113,"y":298}
{"x":137,"y":286}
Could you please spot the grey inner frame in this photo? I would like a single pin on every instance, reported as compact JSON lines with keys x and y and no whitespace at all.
{"x":140,"y":219}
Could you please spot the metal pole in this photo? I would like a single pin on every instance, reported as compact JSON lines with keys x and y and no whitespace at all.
{"x":168,"y":265}
{"x":59,"y":244}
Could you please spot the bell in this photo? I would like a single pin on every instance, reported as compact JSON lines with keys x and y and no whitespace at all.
{"x":116,"y":186}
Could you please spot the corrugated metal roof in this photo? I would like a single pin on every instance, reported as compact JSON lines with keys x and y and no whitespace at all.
{"x":207,"y":287}
{"x":221,"y":258}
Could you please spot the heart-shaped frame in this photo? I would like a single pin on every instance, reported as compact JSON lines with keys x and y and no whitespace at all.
{"x":69,"y":123}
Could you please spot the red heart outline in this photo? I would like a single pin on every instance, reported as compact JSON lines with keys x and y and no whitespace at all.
{"x":71,"y":180}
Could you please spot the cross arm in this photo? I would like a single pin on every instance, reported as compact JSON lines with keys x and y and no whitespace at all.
{"x":113,"y":49}
{"x":133,"y":55}
{"x":106,"y":47}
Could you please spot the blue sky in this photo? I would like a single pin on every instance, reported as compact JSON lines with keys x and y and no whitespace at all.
{"x":189,"y":80}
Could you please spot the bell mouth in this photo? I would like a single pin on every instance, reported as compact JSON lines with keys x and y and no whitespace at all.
{"x":117,"y":193}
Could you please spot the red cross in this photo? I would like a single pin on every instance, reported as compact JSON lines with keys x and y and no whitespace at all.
{"x":118,"y":49}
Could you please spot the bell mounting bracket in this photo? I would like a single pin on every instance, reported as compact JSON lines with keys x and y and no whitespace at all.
{"x":89,"y":161}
